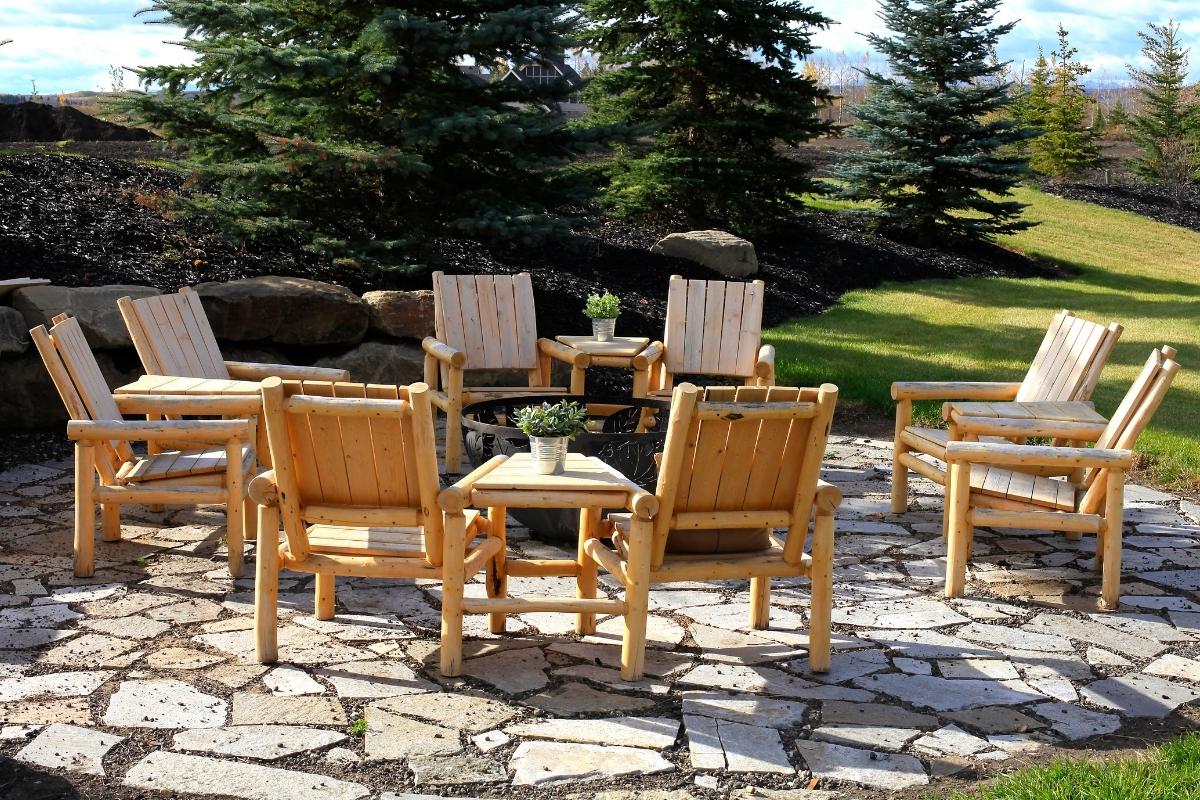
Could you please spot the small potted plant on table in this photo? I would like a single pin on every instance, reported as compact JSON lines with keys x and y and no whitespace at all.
{"x":549,"y":427}
{"x":603,"y":310}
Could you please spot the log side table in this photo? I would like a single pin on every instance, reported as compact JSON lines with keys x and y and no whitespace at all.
{"x":504,"y":482}
{"x":622,"y":352}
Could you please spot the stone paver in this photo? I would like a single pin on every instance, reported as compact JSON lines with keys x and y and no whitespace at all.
{"x":542,"y":763}
{"x":163,"y":703}
{"x":919,"y":687}
{"x":188,"y":774}
{"x":263,"y":742}
{"x":837,"y":762}
{"x":69,"y":747}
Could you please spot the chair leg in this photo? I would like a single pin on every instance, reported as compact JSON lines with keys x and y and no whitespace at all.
{"x":637,"y":600}
{"x":236,"y":490}
{"x":586,"y":578}
{"x":820,"y":611}
{"x":249,"y":520}
{"x":454,"y":404}
{"x":85,"y":510}
{"x":110,"y":522}
{"x":325,"y":595}
{"x":453,"y":576}
{"x":1074,"y":536}
{"x":1114,"y":520}
{"x":760,"y":603}
{"x":899,"y":471}
{"x":266,"y":586}
{"x":958,"y":547}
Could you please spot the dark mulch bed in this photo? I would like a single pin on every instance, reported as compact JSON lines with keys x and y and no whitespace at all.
{"x":37,"y":122}
{"x":88,"y":221}
{"x":1180,"y":207}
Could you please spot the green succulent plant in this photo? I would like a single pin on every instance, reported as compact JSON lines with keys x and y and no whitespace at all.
{"x":564,"y":418}
{"x":602,"y":306}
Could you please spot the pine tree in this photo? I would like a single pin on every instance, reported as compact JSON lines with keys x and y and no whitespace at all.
{"x":1099,"y":122}
{"x":1168,"y":121}
{"x":717,"y":83}
{"x":355,"y":127}
{"x":931,"y":153}
{"x":1031,"y":103}
{"x":1066,"y":146}
{"x":1118,"y":117}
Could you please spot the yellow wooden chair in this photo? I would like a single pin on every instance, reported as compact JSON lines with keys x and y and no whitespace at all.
{"x":215,"y":471}
{"x":988,"y":487}
{"x":172,"y":336}
{"x":487,"y":322}
{"x":1067,"y":367}
{"x":355,"y":482}
{"x":713,"y":328}
{"x":738,"y":463}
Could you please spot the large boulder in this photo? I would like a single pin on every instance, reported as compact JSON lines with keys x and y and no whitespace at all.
{"x":380,"y":362}
{"x":14,"y":333}
{"x":721,"y":252}
{"x":29,"y":399}
{"x":288,"y":311}
{"x":406,"y":315}
{"x":94,"y":306}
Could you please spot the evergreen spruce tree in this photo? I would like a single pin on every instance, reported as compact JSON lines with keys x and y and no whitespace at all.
{"x":1168,"y":121}
{"x":935,"y":147}
{"x":356,"y":126}
{"x":1031,"y":103}
{"x":1118,"y":117}
{"x":1066,"y":146}
{"x":1099,"y":121}
{"x":718,"y":85}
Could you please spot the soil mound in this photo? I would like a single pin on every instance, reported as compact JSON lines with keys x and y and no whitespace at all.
{"x":36,"y":122}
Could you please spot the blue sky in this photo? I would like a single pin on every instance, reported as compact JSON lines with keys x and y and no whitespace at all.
{"x":68,"y":45}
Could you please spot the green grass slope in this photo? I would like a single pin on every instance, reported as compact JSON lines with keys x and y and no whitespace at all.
{"x":1141,"y":273}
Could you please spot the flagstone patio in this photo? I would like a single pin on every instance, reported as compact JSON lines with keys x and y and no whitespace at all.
{"x":145,"y":675}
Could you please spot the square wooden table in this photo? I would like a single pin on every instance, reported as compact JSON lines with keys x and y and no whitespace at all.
{"x":621,"y":352}
{"x":1075,"y":420}
{"x":175,"y":386}
{"x":586,"y":483}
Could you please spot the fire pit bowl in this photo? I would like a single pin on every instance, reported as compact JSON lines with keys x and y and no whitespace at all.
{"x":613,"y":436}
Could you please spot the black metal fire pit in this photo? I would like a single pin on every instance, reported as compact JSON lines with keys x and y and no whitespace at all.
{"x":613,"y":437}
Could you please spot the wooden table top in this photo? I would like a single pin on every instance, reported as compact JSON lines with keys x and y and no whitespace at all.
{"x":618,"y":346}
{"x":1058,"y":411}
{"x":174,"y":385}
{"x":581,"y":474}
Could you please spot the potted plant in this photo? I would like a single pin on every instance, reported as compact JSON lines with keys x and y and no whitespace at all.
{"x":603,"y":310}
{"x":549,"y":427}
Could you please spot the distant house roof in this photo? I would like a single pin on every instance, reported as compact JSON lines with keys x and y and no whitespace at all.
{"x":548,"y":70}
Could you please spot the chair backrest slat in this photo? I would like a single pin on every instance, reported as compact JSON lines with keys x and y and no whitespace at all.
{"x":172,"y":335}
{"x":1069,"y":361}
{"x":712,"y":327}
{"x":765,"y":458}
{"x":490,"y":318}
{"x":81,"y":385}
{"x":375,"y":454}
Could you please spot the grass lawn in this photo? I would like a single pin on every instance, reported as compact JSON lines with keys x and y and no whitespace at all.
{"x":1141,"y":273}
{"x":1169,"y":772}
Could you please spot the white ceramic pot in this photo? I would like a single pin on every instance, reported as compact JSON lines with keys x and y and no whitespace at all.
{"x":602,"y":329}
{"x":549,"y":454}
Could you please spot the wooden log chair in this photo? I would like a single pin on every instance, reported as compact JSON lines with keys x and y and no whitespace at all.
{"x":215,"y":468}
{"x":738,"y":463}
{"x":988,"y":489}
{"x":713,"y":328}
{"x":1067,"y":366}
{"x":487,"y":322}
{"x":355,"y":484}
{"x":172,"y":336}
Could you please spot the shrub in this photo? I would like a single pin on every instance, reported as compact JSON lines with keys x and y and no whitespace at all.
{"x":602,"y":306}
{"x":564,"y":418}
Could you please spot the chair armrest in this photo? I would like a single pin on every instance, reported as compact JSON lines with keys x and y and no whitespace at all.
{"x":248,"y":371}
{"x":1054,"y":429}
{"x":215,"y":405}
{"x":456,"y":497}
{"x":212,"y":431}
{"x":827,"y":498}
{"x":568,"y":355}
{"x":765,"y":367}
{"x":263,"y":490}
{"x":653,"y":352}
{"x":954,"y":390}
{"x":444,"y":352}
{"x":1024,"y":455}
